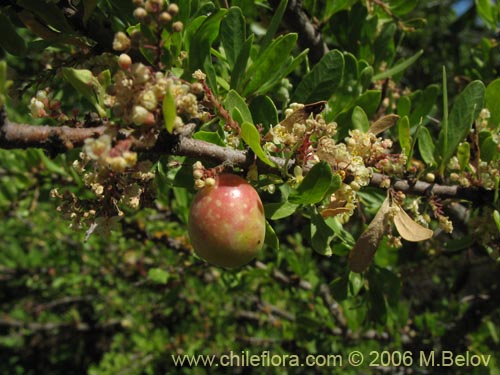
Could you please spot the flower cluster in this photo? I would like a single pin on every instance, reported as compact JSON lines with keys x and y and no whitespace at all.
{"x":484,"y":173}
{"x":114,"y":176}
{"x":312,"y":139}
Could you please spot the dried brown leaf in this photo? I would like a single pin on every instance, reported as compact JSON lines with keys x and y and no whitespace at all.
{"x":409,"y":229}
{"x":383,"y":123}
{"x":302,"y":114}
{"x":363,"y":251}
{"x":327,"y":212}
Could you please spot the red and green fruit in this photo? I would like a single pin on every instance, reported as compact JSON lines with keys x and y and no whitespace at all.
{"x":227,"y":225}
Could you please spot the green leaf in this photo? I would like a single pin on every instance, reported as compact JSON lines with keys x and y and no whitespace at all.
{"x":233,"y":34}
{"x":398,"y":68}
{"x":402,"y":7}
{"x":11,"y":41}
{"x":463,"y":155}
{"x":169,"y":110}
{"x":323,"y":79}
{"x":49,"y":12}
{"x":465,"y":110}
{"x":50,"y":165}
{"x":492,"y":99}
{"x":335,"y":6}
{"x":201,"y":41}
{"x":234,"y":100}
{"x":356,"y":283}
{"x":88,"y":8}
{"x":251,"y":136}
{"x":488,"y":12}
{"x":4,"y":83}
{"x":321,"y":235}
{"x":273,"y":26}
{"x":87,"y":85}
{"x":264,"y":112}
{"x":426,"y":146}
{"x":404,"y":135}
{"x":423,"y":106}
{"x":279,"y":210}
{"x":271,"y":238}
{"x":240,"y":64}
{"x":496,"y":218}
{"x":360,"y":119}
{"x":266,"y":65}
{"x":315,"y":185}
{"x":489,"y":149}
{"x":404,"y":106}
{"x":158,"y":276}
{"x":211,"y":137}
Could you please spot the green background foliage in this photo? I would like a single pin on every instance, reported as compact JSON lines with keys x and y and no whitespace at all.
{"x":125,"y":302}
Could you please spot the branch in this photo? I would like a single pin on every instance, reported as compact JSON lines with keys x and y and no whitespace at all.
{"x":60,"y":139}
{"x":309,"y":37}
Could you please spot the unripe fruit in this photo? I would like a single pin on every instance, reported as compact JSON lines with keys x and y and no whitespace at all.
{"x":226,"y":222}
{"x":124,"y":61}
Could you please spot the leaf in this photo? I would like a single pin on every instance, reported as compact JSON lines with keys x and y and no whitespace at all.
{"x":266,"y":65}
{"x":169,"y":110}
{"x":211,"y":137}
{"x":88,"y":8}
{"x":234,"y":100}
{"x":487,"y":11}
{"x":335,"y":6}
{"x":404,"y":106}
{"x":201,"y":41}
{"x":426,"y":146}
{"x":302,"y":114}
{"x":424,"y":104}
{"x":315,"y":185}
{"x":50,"y":165}
{"x":87,"y":85}
{"x":49,"y":12}
{"x":496,"y":218}
{"x":409,"y":229}
{"x":360,"y":119}
{"x":233,"y":34}
{"x":323,"y":79}
{"x":251,"y":136}
{"x":465,"y":110}
{"x":158,"y":276}
{"x":463,"y":155}
{"x":273,"y":26}
{"x":264,"y":112}
{"x":11,"y":41}
{"x":398,"y":68}
{"x":404,"y":135}
{"x":321,"y":235}
{"x":4,"y":83}
{"x":492,"y":98}
{"x":489,"y":149}
{"x":363,"y":251}
{"x":271,"y":238}
{"x":240,"y":64}
{"x":383,"y":123}
{"x":280,"y":210}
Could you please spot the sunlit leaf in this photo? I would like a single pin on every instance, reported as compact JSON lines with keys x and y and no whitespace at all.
{"x":409,"y":229}
{"x":315,"y":185}
{"x":251,"y":136}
